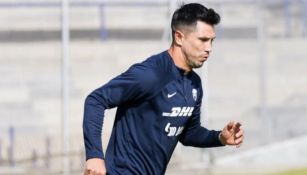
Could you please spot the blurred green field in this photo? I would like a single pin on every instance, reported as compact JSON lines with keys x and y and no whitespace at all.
{"x":294,"y":172}
{"x":301,"y":171}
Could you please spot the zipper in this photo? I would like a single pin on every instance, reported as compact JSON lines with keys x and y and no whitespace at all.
{"x":184,"y":80}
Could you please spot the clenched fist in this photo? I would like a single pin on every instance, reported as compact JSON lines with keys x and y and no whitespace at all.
{"x":232,"y":134}
{"x":95,"y":166}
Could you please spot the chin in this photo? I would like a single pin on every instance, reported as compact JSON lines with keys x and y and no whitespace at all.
{"x":197,"y":65}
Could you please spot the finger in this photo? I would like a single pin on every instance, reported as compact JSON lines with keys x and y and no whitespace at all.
{"x":237,"y":125}
{"x":239,"y":145}
{"x":239,"y":133}
{"x":239,"y":140}
{"x":87,"y":172}
{"x":93,"y":173}
{"x":230,"y":125}
{"x":98,"y":173}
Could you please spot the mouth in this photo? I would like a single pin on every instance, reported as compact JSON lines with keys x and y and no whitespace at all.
{"x":203,"y":59}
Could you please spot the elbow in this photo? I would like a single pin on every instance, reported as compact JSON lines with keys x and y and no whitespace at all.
{"x":92,"y":107}
{"x":185,"y":142}
{"x":98,"y":98}
{"x":94,"y":99}
{"x":89,"y":99}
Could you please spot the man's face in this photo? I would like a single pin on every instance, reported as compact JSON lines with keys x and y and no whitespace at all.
{"x":197,"y":44}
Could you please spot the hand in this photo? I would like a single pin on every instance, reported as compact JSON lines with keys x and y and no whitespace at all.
{"x":232,"y":134}
{"x":95,"y":166}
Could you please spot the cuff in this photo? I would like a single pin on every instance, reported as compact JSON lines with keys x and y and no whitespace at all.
{"x":94,"y":154}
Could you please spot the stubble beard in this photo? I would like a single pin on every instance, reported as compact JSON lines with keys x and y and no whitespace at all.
{"x":194,"y":64}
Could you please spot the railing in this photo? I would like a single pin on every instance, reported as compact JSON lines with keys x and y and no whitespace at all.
{"x":102,"y":5}
{"x":49,"y":159}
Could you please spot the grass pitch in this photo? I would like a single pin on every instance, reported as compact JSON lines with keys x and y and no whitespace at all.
{"x":302,"y":171}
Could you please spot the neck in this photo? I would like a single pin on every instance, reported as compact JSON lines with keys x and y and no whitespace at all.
{"x":179,"y":58}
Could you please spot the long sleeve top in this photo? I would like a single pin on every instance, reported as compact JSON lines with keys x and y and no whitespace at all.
{"x":157,"y":106}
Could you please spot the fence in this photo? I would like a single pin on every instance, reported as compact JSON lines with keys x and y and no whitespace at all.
{"x":288,"y":11}
{"x":33,"y":153}
{"x":109,"y":36}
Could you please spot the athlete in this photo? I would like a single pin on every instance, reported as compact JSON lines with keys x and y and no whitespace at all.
{"x":158,"y":102}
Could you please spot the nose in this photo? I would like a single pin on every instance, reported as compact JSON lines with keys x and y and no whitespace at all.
{"x":208,"y":46}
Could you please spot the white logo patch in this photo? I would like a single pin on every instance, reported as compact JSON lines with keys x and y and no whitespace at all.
{"x":178,"y":111}
{"x":194,"y":94}
{"x":171,"y":95}
{"x":173,"y":130}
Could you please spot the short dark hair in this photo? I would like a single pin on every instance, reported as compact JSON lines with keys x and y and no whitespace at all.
{"x":189,"y":14}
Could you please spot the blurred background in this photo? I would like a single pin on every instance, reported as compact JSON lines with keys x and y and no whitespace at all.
{"x":255,"y":75}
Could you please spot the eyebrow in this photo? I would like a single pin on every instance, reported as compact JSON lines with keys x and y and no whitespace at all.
{"x":206,"y":38}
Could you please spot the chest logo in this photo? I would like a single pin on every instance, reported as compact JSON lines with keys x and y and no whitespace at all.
{"x":194,"y":94}
{"x":173,"y":130}
{"x":179,"y":112}
{"x":171,"y":95}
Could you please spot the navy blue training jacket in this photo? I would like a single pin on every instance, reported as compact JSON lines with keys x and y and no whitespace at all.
{"x":157,"y":107}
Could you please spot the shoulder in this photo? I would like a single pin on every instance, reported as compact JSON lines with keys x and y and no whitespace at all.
{"x":153,"y":73}
{"x":160,"y":63}
{"x":154,"y":68}
{"x":142,"y":73}
{"x":150,"y":71}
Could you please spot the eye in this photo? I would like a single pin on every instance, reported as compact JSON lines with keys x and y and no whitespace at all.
{"x":204,"y":39}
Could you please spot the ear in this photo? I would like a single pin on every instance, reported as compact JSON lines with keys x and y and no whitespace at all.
{"x":179,"y":36}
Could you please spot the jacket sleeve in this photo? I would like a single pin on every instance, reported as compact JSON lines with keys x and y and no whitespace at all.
{"x":130,"y":86}
{"x":196,"y":135}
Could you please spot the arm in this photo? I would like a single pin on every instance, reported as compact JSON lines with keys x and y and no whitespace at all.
{"x":199,"y":136}
{"x":196,"y":135}
{"x":131,"y":86}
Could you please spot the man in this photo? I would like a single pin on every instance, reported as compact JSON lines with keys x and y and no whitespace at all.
{"x":158,"y":102}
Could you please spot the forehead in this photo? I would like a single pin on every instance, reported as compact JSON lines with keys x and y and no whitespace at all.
{"x":203,"y":29}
